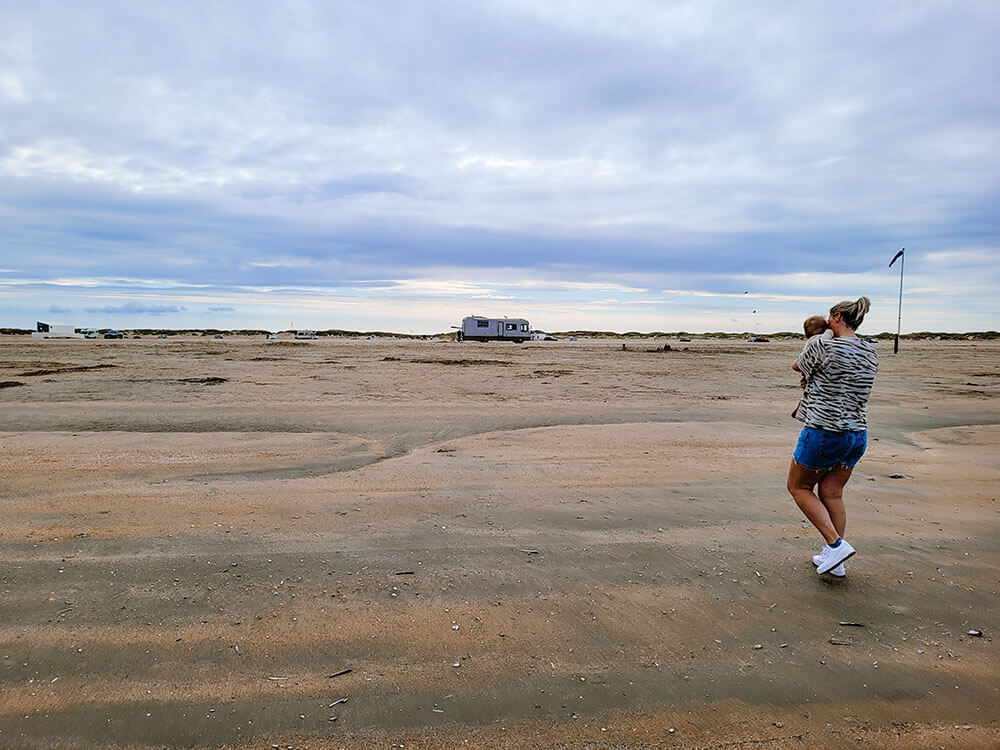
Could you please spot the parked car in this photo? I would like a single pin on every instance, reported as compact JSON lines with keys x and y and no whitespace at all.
{"x":111,"y":333}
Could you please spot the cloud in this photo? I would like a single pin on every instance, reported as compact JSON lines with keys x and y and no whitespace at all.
{"x":57,"y":310}
{"x":137,"y":308}
{"x":243,"y":152}
{"x":223,"y":308}
{"x":11,"y":87}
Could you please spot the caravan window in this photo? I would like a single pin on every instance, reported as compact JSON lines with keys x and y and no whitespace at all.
{"x":511,"y":326}
{"x":524,"y":327}
{"x":482,"y":324}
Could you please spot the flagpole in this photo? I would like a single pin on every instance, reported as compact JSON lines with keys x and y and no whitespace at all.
{"x":899,"y":315}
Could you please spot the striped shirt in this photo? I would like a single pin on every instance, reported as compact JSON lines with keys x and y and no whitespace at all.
{"x":839,"y":375}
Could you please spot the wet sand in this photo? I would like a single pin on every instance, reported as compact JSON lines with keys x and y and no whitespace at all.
{"x":551,"y":545}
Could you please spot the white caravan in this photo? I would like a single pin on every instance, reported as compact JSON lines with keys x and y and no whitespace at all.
{"x":478,"y":328}
{"x":54,"y":331}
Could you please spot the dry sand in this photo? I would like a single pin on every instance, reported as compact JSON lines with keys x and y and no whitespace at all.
{"x":552,"y":545}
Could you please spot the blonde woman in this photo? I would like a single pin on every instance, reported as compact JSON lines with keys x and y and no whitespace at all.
{"x":839,"y":373}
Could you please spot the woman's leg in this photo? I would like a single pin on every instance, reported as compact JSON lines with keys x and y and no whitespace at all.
{"x":800,"y":484}
{"x":831,"y":494}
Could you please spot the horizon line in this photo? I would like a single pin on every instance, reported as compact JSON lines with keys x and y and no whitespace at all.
{"x":336,"y":332}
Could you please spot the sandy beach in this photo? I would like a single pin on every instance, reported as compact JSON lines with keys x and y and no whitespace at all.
{"x":341,"y":543}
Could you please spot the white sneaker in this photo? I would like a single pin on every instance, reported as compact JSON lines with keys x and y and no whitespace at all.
{"x":839,"y":572}
{"x":831,"y":557}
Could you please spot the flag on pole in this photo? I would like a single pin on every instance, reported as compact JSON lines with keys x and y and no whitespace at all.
{"x":899,"y":317}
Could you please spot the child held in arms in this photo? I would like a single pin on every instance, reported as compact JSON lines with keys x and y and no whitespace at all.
{"x":813,"y":326}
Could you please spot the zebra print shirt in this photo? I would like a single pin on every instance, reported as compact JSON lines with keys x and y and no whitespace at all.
{"x":839,"y":375}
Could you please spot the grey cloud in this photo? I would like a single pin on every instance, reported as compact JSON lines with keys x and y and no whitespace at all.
{"x":137,"y":308}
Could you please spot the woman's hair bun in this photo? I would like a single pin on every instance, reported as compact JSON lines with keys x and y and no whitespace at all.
{"x":853,"y":313}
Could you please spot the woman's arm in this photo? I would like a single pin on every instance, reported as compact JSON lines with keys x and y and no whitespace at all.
{"x":812,"y":357}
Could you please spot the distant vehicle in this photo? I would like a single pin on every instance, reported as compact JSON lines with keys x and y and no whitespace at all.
{"x":271,"y":337}
{"x":161,"y":335}
{"x":305,"y":333}
{"x":89,"y":333}
{"x":478,"y":328}
{"x":218,"y":336}
{"x":54,"y":331}
{"x":111,"y":333}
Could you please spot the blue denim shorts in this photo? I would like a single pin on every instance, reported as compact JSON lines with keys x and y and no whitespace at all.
{"x":820,"y":449}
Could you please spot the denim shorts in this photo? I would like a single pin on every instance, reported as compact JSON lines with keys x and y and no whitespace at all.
{"x":820,"y":449}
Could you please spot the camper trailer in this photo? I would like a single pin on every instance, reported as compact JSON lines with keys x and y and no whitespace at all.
{"x":478,"y":328}
{"x":304,"y":333}
{"x":54,"y":331}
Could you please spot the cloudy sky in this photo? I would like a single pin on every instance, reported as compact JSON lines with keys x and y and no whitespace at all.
{"x":635,"y":165}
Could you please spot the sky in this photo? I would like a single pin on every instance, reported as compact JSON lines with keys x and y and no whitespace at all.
{"x":373,"y":165}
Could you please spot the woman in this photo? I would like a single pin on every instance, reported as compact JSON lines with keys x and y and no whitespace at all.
{"x":839,"y":374}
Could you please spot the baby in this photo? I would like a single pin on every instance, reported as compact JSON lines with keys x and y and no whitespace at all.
{"x":813,"y":326}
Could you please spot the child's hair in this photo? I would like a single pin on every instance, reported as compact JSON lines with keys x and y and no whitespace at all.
{"x":853,"y":313}
{"x":814,"y":325}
